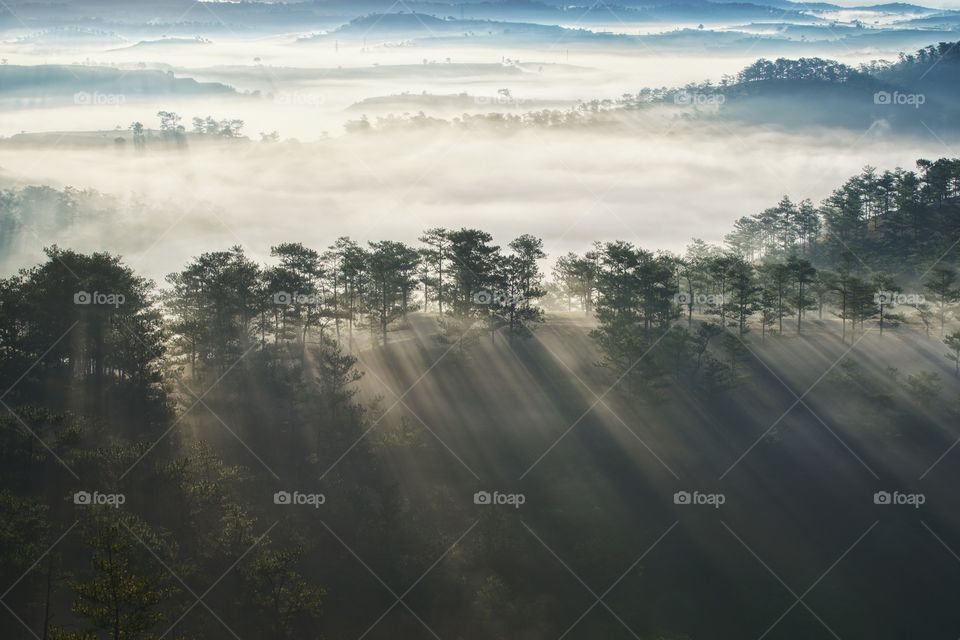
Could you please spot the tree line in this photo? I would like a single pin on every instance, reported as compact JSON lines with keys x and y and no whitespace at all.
{"x":98,"y":363}
{"x":894,"y":219}
{"x":880,"y":248}
{"x":173,"y":132}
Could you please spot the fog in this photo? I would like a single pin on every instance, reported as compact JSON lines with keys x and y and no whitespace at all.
{"x":305,"y":88}
{"x":499,"y":432}
{"x":655,"y":188}
{"x":658,"y":180}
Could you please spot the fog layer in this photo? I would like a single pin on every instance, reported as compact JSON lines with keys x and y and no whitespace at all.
{"x":655,"y":185}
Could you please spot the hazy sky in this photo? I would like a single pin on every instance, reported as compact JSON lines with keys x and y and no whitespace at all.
{"x":939,"y":4}
{"x":854,"y":3}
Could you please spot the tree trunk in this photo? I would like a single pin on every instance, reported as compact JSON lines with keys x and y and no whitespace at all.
{"x":46,"y":601}
{"x":799,"y":308}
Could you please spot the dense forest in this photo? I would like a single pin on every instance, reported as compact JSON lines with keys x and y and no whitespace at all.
{"x":763,"y":79}
{"x":479,"y":320}
{"x":154,"y":435}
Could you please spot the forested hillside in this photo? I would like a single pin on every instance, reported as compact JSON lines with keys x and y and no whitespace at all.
{"x":479,"y":320}
{"x":286,"y":450}
{"x":909,"y":96}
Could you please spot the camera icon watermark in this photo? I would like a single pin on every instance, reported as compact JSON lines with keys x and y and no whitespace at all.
{"x":87,"y":499}
{"x":515,"y":500}
{"x":99,"y":299}
{"x":296,"y":498}
{"x":696,"y":498}
{"x":896,"y":498}
{"x":896,"y":98}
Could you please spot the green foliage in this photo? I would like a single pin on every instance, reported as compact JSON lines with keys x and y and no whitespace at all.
{"x":924,"y":386}
{"x":24,"y":534}
{"x":214,"y":301}
{"x":292,"y":393}
{"x":392,"y":270}
{"x":801,"y":69}
{"x":941,"y":283}
{"x":124,"y":590}
{"x":284,"y":599}
{"x":953,"y":343}
{"x":634,"y":308}
{"x":520,"y":280}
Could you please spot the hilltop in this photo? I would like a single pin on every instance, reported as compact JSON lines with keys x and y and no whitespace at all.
{"x":62,"y":82}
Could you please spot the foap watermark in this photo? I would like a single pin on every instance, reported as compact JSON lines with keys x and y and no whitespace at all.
{"x":299,"y":99}
{"x":687,"y":98}
{"x":99,"y":299}
{"x":687,"y":298}
{"x":95,"y":498}
{"x":514,"y":500}
{"x":499,"y":101}
{"x":287,"y":299}
{"x":894,"y":298}
{"x":496,"y":298}
{"x":97,"y":99}
{"x":296,"y":498}
{"x":696,"y":498}
{"x":896,"y":98}
{"x":897,"y":498}
{"x":504,"y":97}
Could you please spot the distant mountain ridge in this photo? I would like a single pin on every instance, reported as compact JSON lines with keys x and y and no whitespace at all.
{"x":57,"y":82}
{"x":259,"y":16}
{"x":920,"y":92}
